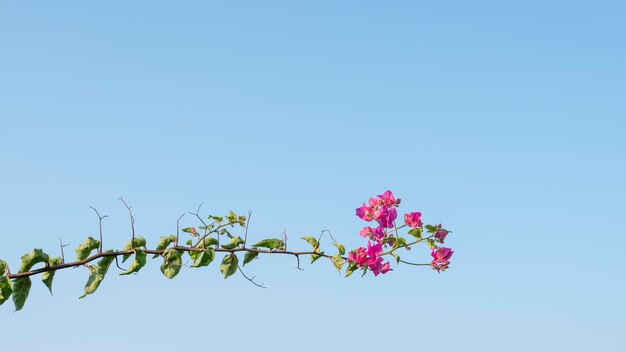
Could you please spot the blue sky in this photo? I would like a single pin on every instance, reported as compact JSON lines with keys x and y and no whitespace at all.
{"x":504,"y":120}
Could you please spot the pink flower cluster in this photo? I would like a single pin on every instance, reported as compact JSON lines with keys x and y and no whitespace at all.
{"x":381,"y":209}
{"x":441,"y":258}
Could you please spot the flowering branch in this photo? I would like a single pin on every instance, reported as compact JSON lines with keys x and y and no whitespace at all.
{"x":383,"y":240}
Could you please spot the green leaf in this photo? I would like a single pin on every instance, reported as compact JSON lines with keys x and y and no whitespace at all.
{"x":172,"y":263}
{"x":431,"y":244}
{"x":312,"y":241}
{"x":96,"y":274}
{"x":229,"y":265}
{"x":5,"y":289}
{"x":137,"y":264}
{"x":84,"y":250}
{"x":21,"y":288}
{"x":417,"y":233}
{"x":431,"y":228}
{"x":315,"y":257}
{"x":206,"y":258}
{"x":189,"y":243}
{"x":351,"y":268}
{"x":270,"y":243}
{"x":234,"y":242}
{"x":164,"y":242}
{"x":338,"y":262}
{"x":249,"y":256}
{"x":139,"y":242}
{"x":207,"y":241}
{"x":340,"y":248}
{"x":397,"y":257}
{"x":49,"y":275}
{"x":32,"y":258}
{"x":3,"y":267}
{"x":400,"y":242}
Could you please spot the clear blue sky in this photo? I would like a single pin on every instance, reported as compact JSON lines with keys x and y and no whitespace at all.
{"x":504,"y":120}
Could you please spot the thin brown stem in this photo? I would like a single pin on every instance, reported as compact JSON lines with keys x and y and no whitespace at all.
{"x":132,"y":221}
{"x":100,"y":223}
{"x":249,"y":279}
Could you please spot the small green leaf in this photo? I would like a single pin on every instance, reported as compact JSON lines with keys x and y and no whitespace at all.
{"x":164,"y":242}
{"x":312,"y":241}
{"x":97,"y":273}
{"x":139,"y":242}
{"x":431,"y":244}
{"x":431,"y":228}
{"x":189,"y":243}
{"x":400,"y":242}
{"x":338,"y":262}
{"x":315,"y":257}
{"x":340,"y":248}
{"x":397,"y":257}
{"x":351,"y":268}
{"x":32,"y":258}
{"x":5,"y":289}
{"x":21,"y":288}
{"x":172,"y":263}
{"x":229,"y":265}
{"x":234,"y":242}
{"x":270,"y":243}
{"x":207,"y":241}
{"x":417,"y":233}
{"x":49,"y":275}
{"x":3,"y":267}
{"x":84,"y":250}
{"x":137,"y":264}
{"x":206,"y":258}
{"x":249,"y":256}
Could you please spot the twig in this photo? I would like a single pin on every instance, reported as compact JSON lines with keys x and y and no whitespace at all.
{"x":100,"y":221}
{"x":416,"y":264}
{"x":298,"y":260}
{"x":178,"y":227}
{"x":245,"y":236}
{"x":249,"y":279}
{"x":62,"y":246}
{"x":132,"y":221}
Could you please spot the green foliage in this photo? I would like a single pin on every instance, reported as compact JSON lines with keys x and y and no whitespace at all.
{"x":164,"y":242}
{"x":234,"y":242}
{"x":351,"y":268}
{"x":338,"y":262}
{"x":417,"y":233}
{"x":3,"y":267}
{"x":205,"y":258}
{"x":21,"y":288}
{"x":431,"y":244}
{"x":32,"y":258}
{"x":270,"y":243}
{"x":5,"y":289}
{"x":249,"y":256}
{"x":139,"y":242}
{"x":340,"y":247}
{"x":312,"y":241}
{"x":137,"y":264}
{"x":84,"y":250}
{"x":229,"y":265}
{"x":96,"y":274}
{"x":172,"y":263}
{"x":48,"y":276}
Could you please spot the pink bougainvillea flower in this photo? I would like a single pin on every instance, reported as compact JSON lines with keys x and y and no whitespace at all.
{"x":364,"y":212}
{"x":375,"y":234}
{"x":386,"y":217}
{"x":413,"y":220}
{"x":441,"y":234}
{"x":366,"y":232}
{"x":358,"y":256}
{"x":388,"y":199}
{"x":375,"y":202}
{"x":378,"y":233}
{"x":375,"y":250}
{"x":385,"y":268}
{"x":441,"y":258}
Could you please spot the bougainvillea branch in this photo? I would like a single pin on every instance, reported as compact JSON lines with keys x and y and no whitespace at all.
{"x":383,"y":240}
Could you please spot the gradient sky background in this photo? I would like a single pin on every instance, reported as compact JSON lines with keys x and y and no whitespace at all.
{"x":504,"y":120}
